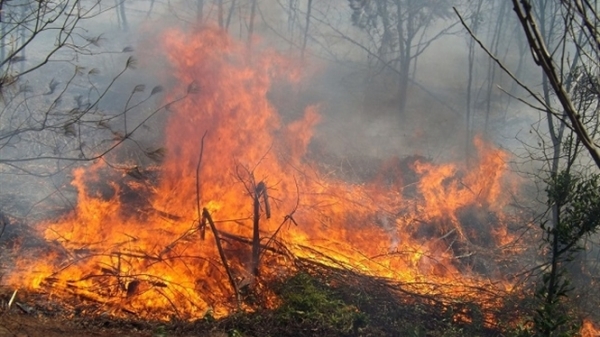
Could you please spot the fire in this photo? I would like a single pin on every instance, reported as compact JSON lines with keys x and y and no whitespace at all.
{"x":588,"y":329}
{"x":136,"y":244}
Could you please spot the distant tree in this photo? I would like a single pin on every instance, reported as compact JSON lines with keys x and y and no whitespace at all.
{"x":199,"y":11}
{"x":401,"y":30}
{"x":254,"y":4}
{"x":476,"y":20}
{"x":306,"y":28}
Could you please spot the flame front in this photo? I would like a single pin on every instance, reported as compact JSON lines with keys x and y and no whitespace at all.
{"x":137,"y":245}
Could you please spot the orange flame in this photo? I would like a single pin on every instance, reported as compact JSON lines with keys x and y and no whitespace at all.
{"x":588,"y":329}
{"x":135,"y":246}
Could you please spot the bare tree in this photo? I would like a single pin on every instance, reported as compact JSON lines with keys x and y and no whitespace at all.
{"x":564,"y":41}
{"x":200,"y":11}
{"x":56,"y":107}
{"x":402,"y":31}
{"x":475,"y":21}
{"x":230,"y":14}
{"x":580,"y":36}
{"x":306,"y":27}
{"x":251,"y":22}
{"x":220,"y":13}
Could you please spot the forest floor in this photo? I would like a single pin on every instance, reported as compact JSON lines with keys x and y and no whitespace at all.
{"x":310,"y":306}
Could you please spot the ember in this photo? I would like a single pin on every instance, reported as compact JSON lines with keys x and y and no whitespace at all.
{"x":144,"y":243}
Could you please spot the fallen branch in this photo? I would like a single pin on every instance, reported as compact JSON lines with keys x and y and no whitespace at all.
{"x":206,"y":215}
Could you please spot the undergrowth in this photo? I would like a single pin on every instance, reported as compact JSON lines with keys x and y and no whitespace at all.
{"x":312,"y":305}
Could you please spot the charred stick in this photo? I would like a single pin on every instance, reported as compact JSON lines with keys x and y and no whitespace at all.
{"x":132,"y":288}
{"x":121,"y":285}
{"x":4,"y":222}
{"x":255,"y":232}
{"x":206,"y":215}
{"x":262,"y":189}
{"x":267,"y":206}
{"x":289,"y":216}
{"x":259,"y":191}
{"x":200,"y":215}
{"x":25,"y":309}
{"x":203,"y":227}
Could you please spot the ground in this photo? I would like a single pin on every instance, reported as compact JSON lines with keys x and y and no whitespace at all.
{"x":24,"y":325}
{"x":19,"y":324}
{"x":328,"y":303}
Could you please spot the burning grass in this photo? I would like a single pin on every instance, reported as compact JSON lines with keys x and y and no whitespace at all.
{"x":236,"y":204}
{"x":313,"y":300}
{"x":137,"y":275}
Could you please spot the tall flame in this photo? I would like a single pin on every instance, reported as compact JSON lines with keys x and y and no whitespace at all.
{"x":135,"y":244}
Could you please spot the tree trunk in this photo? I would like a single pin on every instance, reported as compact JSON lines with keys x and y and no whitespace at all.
{"x":256,"y":234}
{"x":404,"y":57}
{"x":491,"y":71}
{"x":220,"y":13}
{"x":471,"y":60}
{"x":199,"y":11}
{"x":230,"y":14}
{"x":308,"y":9}
{"x":2,"y":37}
{"x":251,"y":23}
